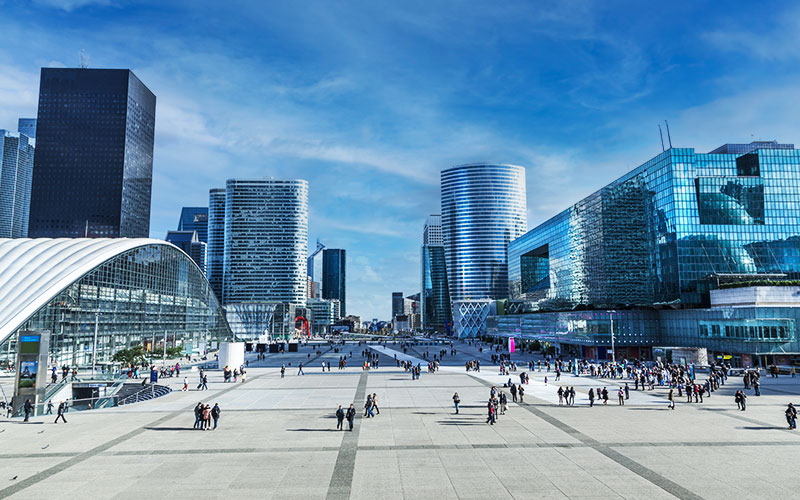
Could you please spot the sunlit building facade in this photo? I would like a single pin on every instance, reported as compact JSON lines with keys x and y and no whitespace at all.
{"x":122,"y":292}
{"x":483,"y":209}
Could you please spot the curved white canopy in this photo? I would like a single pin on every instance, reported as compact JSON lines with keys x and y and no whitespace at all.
{"x":34,"y":271}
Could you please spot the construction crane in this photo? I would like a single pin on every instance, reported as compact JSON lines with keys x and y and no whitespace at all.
{"x":310,"y":260}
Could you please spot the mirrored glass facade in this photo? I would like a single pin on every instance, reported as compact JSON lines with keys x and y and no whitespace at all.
{"x":93,"y":170}
{"x":216,"y":240}
{"x":16,"y":169}
{"x":135,"y":298}
{"x":665,"y":232}
{"x":334,"y":277}
{"x":266,"y":241}
{"x":484,"y":208}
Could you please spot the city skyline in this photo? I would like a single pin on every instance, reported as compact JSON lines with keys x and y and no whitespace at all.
{"x":574,"y":97}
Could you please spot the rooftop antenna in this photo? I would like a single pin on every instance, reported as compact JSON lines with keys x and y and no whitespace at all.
{"x":84,"y":60}
{"x":668,"y":137}
{"x":660,"y":133}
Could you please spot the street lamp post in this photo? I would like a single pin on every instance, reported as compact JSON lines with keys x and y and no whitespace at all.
{"x":94,"y":345}
{"x":164,"y":362}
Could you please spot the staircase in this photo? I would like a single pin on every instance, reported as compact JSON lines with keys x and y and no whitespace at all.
{"x":135,"y":393}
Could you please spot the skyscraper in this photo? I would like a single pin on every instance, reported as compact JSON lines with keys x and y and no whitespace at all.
{"x":266,"y":240}
{"x":195,"y":219}
{"x":190,"y":243}
{"x":216,"y":240}
{"x":16,"y":166}
{"x":93,"y":169}
{"x":483,"y":209}
{"x":333,"y":276}
{"x":434,"y":296}
{"x":27,"y":126}
{"x":398,"y":303}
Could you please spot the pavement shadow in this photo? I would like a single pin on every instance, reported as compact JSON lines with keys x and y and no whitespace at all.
{"x":763,"y":428}
{"x":314,"y":430}
{"x":171,"y":429}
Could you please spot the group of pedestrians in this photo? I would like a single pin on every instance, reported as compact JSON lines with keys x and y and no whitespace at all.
{"x":341,"y":415}
{"x":566,"y":396}
{"x":204,"y":414}
{"x":228,"y":374}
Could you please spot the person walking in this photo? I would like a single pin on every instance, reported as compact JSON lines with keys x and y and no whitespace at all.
{"x":560,"y":396}
{"x":283,"y":370}
{"x":300,"y":369}
{"x":791,"y":416}
{"x":513,"y":393}
{"x":215,"y":412}
{"x":457,"y":400}
{"x":368,"y":407}
{"x":49,"y":407}
{"x":28,"y":407}
{"x":185,"y":384}
{"x":621,"y":397}
{"x":491,"y":417}
{"x":340,"y":419}
{"x":572,"y":396}
{"x":671,"y":398}
{"x":627,"y":391}
{"x":591,"y":397}
{"x":605,"y":396}
{"x":521,"y":392}
{"x":375,"y":404}
{"x":351,"y":416}
{"x":62,"y":408}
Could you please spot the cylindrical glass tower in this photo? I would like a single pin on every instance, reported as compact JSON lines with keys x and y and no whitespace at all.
{"x":483,"y":209}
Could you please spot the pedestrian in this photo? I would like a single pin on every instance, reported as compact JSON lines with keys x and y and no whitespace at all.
{"x":206,"y":417}
{"x":300,"y":369}
{"x":591,"y":397}
{"x":627,"y":391}
{"x":513,"y":393}
{"x":457,"y":400}
{"x":521,"y":392}
{"x":339,"y":419}
{"x":351,"y":416}
{"x":198,"y":415}
{"x":605,"y":396}
{"x":185,"y":384}
{"x":491,"y":417}
{"x":215,"y":412}
{"x":572,"y":396}
{"x":375,"y":404}
{"x":621,"y":397}
{"x":791,"y":416}
{"x":283,"y":370}
{"x":49,"y":407}
{"x":28,"y":407}
{"x":368,"y":407}
{"x":671,"y":398}
{"x":560,"y":396}
{"x":62,"y":408}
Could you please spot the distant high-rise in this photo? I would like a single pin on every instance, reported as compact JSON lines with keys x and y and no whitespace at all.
{"x":266,"y":240}
{"x":195,"y":219}
{"x":190,"y":243}
{"x":483,"y":209}
{"x":27,"y":126}
{"x":333,"y":276}
{"x":434,"y":300}
{"x":216,"y":240}
{"x":398,"y":302}
{"x":93,"y":168}
{"x":16,"y":166}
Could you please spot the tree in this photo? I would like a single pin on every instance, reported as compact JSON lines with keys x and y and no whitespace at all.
{"x":132,"y":356}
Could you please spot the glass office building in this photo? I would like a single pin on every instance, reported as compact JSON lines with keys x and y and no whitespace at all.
{"x":435,"y":312}
{"x":189,"y":242}
{"x":93,"y":169}
{"x":16,"y":169}
{"x":195,"y":219}
{"x":216,"y":240}
{"x":122,"y":292}
{"x":334,"y":274}
{"x":661,"y":237}
{"x":266,"y":241}
{"x":483,"y":209}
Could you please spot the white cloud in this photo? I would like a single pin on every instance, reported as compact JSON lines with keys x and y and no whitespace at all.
{"x":69,"y":5}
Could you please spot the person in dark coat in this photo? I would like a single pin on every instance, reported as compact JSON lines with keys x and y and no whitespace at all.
{"x":62,"y":408}
{"x":340,"y":419}
{"x":351,"y":416}
{"x":28,"y":407}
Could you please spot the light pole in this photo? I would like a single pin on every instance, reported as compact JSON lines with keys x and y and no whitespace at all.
{"x":94,"y":345}
{"x":164,"y":361}
{"x":613,"y":354}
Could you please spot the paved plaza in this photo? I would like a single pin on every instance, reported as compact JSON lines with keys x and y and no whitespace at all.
{"x":277,"y":439}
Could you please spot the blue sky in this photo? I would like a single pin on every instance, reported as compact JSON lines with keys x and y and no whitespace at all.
{"x":370,"y":100}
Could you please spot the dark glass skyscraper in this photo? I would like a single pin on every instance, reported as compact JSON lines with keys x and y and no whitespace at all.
{"x":216,"y":239}
{"x":195,"y":219}
{"x":93,"y":168}
{"x":434,"y":295}
{"x":333,"y":276}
